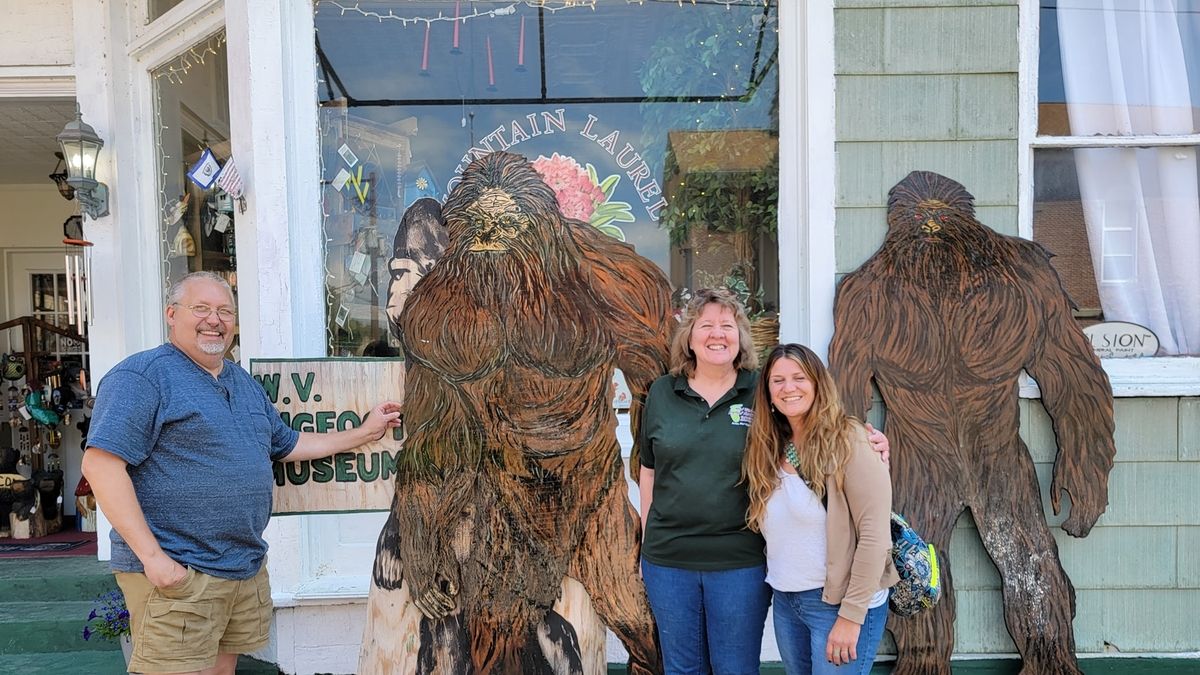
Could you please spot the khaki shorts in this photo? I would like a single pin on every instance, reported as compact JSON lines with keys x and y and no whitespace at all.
{"x":182,"y":628}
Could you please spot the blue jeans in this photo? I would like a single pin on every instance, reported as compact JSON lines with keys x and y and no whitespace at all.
{"x":708,"y":620}
{"x":802,"y":625}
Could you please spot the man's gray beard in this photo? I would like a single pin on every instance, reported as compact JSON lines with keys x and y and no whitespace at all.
{"x":212,"y":348}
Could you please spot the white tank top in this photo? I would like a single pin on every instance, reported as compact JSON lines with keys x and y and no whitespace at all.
{"x":794,"y":527}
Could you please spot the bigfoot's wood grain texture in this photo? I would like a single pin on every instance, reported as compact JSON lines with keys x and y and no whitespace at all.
{"x":943,"y":318}
{"x":512,"y":478}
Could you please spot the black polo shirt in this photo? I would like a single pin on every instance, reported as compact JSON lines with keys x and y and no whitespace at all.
{"x":697,"y":517}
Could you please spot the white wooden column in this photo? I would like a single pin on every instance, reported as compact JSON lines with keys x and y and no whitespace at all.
{"x":807,"y":185}
{"x":272,"y":106}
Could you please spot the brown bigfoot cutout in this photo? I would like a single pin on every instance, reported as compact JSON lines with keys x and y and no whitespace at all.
{"x":511,"y":477}
{"x":944,"y":317}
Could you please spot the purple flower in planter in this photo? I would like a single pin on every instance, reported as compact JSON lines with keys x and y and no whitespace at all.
{"x":109,"y":617}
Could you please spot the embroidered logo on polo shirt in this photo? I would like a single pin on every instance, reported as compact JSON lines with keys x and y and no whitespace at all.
{"x":740,"y":415}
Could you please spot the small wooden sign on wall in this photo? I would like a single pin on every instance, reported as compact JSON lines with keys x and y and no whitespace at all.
{"x":323,"y":395}
{"x":1121,"y":340}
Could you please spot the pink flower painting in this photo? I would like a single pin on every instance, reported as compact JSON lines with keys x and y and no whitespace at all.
{"x":582,"y":195}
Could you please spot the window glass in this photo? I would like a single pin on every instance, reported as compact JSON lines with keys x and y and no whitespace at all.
{"x":157,"y":8}
{"x":196,"y":214}
{"x":1124,"y":222}
{"x":655,"y":122}
{"x":1124,"y":226}
{"x":1119,"y":68}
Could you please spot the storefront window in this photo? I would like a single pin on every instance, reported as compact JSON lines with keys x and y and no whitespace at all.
{"x":655,"y":122}
{"x":196,"y":213}
{"x":1117,"y":193}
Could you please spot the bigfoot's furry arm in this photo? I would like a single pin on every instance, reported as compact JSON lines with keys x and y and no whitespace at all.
{"x":638,"y":298}
{"x":850,"y":352}
{"x":434,"y":484}
{"x":1078,"y":397}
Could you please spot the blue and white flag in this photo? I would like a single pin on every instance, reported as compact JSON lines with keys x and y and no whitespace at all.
{"x":205,"y":171}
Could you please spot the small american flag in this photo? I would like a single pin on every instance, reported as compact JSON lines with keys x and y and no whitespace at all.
{"x":230,"y":180}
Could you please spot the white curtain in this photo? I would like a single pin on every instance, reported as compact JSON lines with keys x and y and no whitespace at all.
{"x":1125,"y":74}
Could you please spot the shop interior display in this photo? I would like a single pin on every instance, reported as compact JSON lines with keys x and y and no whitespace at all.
{"x":42,"y":395}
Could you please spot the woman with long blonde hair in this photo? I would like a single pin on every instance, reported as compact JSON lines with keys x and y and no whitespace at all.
{"x":822,"y":501}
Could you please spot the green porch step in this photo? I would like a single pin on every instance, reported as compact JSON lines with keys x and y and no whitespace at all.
{"x":100,"y":663}
{"x":67,"y":663}
{"x":49,"y":579}
{"x":46,"y":627}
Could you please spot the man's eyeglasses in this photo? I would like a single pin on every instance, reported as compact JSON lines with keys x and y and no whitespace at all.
{"x":204,"y":311}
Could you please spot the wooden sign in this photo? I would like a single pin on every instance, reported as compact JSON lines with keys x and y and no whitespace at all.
{"x":324,"y":395}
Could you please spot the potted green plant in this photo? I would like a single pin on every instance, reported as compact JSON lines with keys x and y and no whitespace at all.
{"x":721,"y":152}
{"x":109,"y":620}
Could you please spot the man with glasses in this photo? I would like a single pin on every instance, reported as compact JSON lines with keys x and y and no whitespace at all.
{"x":179,"y":457}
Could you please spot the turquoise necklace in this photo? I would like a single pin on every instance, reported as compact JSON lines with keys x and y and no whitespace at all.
{"x":792,"y":457}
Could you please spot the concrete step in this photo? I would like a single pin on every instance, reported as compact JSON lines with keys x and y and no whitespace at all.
{"x":49,"y":579}
{"x":47,"y":627}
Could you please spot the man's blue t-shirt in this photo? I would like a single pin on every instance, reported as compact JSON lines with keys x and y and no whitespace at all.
{"x":199,"y":450}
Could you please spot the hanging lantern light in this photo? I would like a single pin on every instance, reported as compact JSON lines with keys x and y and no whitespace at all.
{"x":80,"y":147}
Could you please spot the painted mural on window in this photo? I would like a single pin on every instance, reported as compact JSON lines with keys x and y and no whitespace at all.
{"x":655,"y":123}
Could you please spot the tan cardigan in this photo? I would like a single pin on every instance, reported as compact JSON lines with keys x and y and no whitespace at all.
{"x":858,"y":534}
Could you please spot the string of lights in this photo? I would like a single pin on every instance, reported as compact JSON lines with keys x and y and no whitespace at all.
{"x":509,"y":9}
{"x":174,"y":73}
{"x":332,"y":295}
{"x":163,"y":200}
{"x":183,"y":63}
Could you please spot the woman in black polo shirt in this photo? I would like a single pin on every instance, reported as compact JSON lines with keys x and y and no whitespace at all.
{"x":703,"y":569}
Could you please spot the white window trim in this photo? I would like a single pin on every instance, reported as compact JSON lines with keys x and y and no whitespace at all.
{"x":1161,"y":376}
{"x":152,"y":46}
{"x":807,"y":180}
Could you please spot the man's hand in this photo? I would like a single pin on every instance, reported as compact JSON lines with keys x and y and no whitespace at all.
{"x":879,"y":443}
{"x":386,"y":415}
{"x":164,"y":572}
{"x":312,"y":445}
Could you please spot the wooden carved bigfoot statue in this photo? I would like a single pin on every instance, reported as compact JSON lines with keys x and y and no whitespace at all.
{"x":944,"y":317}
{"x":511,"y":478}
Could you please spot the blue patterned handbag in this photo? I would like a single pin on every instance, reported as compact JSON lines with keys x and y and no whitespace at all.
{"x":917,"y":564}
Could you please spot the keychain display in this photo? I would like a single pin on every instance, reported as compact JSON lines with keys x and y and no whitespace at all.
{"x":14,"y":406}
